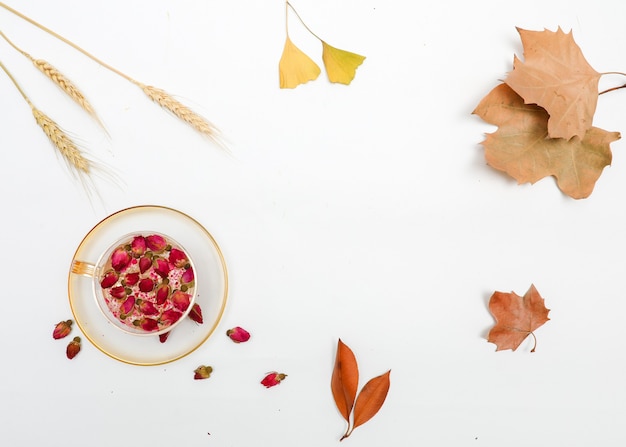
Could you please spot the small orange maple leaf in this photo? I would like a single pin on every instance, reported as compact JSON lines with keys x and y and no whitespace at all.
{"x":557,"y":77}
{"x":522,"y":148}
{"x":516,"y":318}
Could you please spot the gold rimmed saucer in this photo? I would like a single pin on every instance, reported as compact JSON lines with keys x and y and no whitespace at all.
{"x":211,"y":283}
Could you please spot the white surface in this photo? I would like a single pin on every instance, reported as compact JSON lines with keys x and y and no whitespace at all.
{"x":363,"y":212}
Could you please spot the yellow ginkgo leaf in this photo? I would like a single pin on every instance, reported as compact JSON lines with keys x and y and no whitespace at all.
{"x":340,"y":65}
{"x":295,"y":67}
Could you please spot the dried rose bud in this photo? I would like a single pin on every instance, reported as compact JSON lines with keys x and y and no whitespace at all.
{"x":147,"y":308}
{"x":146,"y":285}
{"x":163,"y":336}
{"x":273,"y":379}
{"x":144,"y":264}
{"x":178,"y":258}
{"x":118,"y":292}
{"x":131,"y":279}
{"x":138,"y":246}
{"x":128,"y":305}
{"x":62,"y":329}
{"x":162,"y":293}
{"x":120,"y":259}
{"x":187,"y":277}
{"x":181,"y":300}
{"x":109,"y":279}
{"x":196,"y":314}
{"x":147,"y":324}
{"x":170,"y":316}
{"x":202,"y":372}
{"x":238,"y":334}
{"x":162,"y":267}
{"x":156,"y":243}
{"x":73,"y":348}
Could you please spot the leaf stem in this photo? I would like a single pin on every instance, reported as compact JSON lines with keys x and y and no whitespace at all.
{"x":535,"y":344}
{"x":301,"y":21}
{"x":347,"y":433}
{"x":68,"y":42}
{"x":619,"y":73}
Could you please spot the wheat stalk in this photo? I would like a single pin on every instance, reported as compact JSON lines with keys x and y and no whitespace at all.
{"x":64,"y":144}
{"x":59,"y":79}
{"x":79,"y":164}
{"x":167,"y":101}
{"x":157,"y":95}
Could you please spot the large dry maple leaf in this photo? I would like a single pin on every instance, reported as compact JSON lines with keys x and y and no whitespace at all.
{"x":516,"y":317}
{"x":522,"y":148}
{"x":556,"y":76}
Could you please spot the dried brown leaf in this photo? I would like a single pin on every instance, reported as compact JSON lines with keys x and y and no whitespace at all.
{"x":522,"y":148}
{"x":556,"y":76}
{"x":516,"y":317}
{"x":371,"y":399}
{"x":345,"y":380}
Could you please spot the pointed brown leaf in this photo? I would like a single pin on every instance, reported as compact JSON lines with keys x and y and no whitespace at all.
{"x":345,"y":380}
{"x":370,"y":399}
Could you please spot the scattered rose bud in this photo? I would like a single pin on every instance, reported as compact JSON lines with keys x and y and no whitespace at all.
{"x":178,"y":258}
{"x":196,"y":314}
{"x":144,"y":264}
{"x":120,"y":259}
{"x":138,"y":246}
{"x":62,"y":329}
{"x":273,"y":379}
{"x":163,"y":336}
{"x":180,"y":300}
{"x":109,"y":279}
{"x":238,"y":334}
{"x":73,"y":348}
{"x":202,"y":372}
{"x":156,"y":243}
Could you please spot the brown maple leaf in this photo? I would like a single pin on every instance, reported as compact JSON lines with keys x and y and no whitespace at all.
{"x":516,"y":318}
{"x":557,"y":77}
{"x":522,"y":148}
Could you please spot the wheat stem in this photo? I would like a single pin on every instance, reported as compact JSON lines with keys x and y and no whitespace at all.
{"x":161,"y":97}
{"x":68,"y":42}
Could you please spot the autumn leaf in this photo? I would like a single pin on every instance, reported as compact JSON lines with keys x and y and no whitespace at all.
{"x":340,"y":65}
{"x":345,"y":379}
{"x":522,"y":148}
{"x":556,"y":76}
{"x":371,"y":399}
{"x":516,"y":318}
{"x":295,"y":67}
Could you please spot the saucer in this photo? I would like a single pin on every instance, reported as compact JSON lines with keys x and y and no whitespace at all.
{"x":211,"y":283}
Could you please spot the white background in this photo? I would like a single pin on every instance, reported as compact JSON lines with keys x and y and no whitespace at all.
{"x":364,"y":212}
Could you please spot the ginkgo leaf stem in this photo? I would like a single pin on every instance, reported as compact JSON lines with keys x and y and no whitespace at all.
{"x":68,"y":42}
{"x":302,"y":21}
